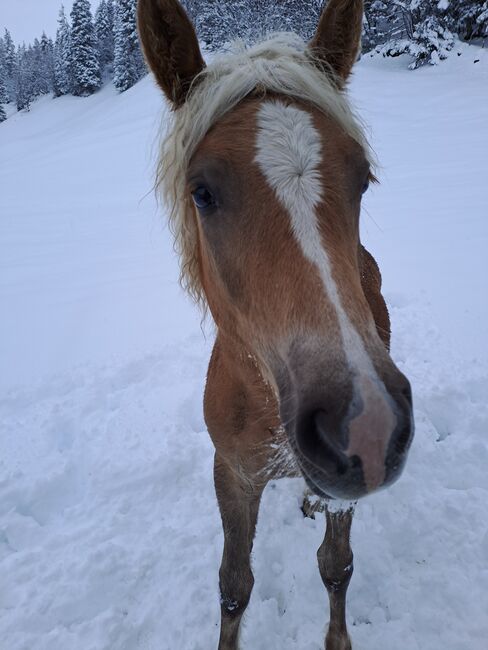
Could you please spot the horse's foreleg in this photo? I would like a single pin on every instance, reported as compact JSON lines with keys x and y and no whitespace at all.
{"x":335,"y":564}
{"x":239,"y":504}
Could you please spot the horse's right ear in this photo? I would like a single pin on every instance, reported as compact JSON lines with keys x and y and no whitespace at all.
{"x":338,"y":37}
{"x":170,"y":46}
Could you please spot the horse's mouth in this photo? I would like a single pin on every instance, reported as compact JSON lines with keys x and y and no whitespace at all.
{"x":324,"y":487}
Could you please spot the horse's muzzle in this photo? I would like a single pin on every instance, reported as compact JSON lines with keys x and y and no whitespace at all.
{"x":361,"y":451}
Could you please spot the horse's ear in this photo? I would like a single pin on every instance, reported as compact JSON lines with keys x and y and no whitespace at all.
{"x":170,"y":46}
{"x":338,"y":37}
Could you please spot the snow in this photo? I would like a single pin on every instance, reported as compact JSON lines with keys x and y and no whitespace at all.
{"x":110,"y":535}
{"x":96,"y":281}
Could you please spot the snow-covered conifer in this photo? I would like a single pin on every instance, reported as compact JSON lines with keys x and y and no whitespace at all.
{"x":39,"y":64}
{"x":129,"y":64}
{"x":9,"y":53}
{"x":425,"y":34}
{"x":23,"y":78}
{"x":3,"y":74}
{"x":47,"y":58}
{"x":469,"y":18}
{"x":297,"y":16}
{"x":220,"y":22}
{"x":84,"y":57}
{"x":62,"y":53}
{"x":215,"y":22}
{"x":3,"y":82}
{"x":10,"y":63}
{"x":482,"y":21}
{"x":383,"y":21}
{"x":104,"y":28}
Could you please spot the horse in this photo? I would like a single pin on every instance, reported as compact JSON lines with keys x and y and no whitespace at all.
{"x":263,"y":167}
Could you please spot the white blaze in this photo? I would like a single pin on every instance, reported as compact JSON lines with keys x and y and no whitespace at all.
{"x":289,"y":153}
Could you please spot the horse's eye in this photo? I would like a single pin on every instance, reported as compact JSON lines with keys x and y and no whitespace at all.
{"x":365,"y":186}
{"x":202,"y":198}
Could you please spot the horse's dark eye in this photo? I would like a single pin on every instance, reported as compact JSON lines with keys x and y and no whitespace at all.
{"x":365,"y":186}
{"x":202,"y":198}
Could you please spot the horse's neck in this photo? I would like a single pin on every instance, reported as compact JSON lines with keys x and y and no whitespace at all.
{"x":242,"y":416}
{"x":242,"y":364}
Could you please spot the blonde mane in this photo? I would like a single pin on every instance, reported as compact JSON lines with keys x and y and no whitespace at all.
{"x":282,"y":65}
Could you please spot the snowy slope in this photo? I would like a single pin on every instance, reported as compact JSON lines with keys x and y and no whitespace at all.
{"x":95,"y":271}
{"x":110,"y":537}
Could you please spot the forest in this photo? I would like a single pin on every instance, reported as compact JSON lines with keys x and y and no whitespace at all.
{"x":91,"y":48}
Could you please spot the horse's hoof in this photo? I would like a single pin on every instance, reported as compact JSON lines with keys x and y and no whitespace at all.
{"x":335,"y":642}
{"x":312,"y":504}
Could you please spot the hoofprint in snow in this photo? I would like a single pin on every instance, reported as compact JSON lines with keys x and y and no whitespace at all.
{"x":110,"y":536}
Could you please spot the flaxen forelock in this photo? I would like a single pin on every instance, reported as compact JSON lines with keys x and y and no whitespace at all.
{"x":280,"y":65}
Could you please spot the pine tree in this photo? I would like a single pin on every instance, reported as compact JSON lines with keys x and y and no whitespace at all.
{"x":3,"y":74}
{"x":3,"y":82}
{"x":84,"y":55}
{"x":111,"y":13}
{"x":215,"y":22}
{"x":39,"y":66}
{"x":129,"y":64}
{"x":219,"y":22}
{"x":425,"y":35}
{"x":23,"y":78}
{"x":62,"y":60}
{"x":469,"y":18}
{"x":47,"y":62}
{"x":3,"y":87}
{"x":482,"y":21}
{"x":298,"y":17}
{"x":9,"y":53}
{"x":383,"y":21}
{"x":10,"y":62}
{"x":123,"y":73}
{"x":104,"y":28}
{"x":432,"y":41}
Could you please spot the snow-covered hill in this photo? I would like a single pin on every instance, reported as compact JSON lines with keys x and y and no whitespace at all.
{"x":110,"y":537}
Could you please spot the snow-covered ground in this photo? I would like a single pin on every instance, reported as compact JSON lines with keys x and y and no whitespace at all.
{"x":110,"y":537}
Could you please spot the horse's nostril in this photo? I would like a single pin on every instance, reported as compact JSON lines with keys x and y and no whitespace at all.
{"x":316,"y":441}
{"x":327,"y":428}
{"x":403,"y":438}
{"x":355,"y":462}
{"x":407,"y":393}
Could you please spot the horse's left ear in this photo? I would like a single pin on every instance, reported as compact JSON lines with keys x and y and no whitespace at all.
{"x":170,"y":46}
{"x":338,"y":37}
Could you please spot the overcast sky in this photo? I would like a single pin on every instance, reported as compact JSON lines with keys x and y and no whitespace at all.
{"x":26,"y":19}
